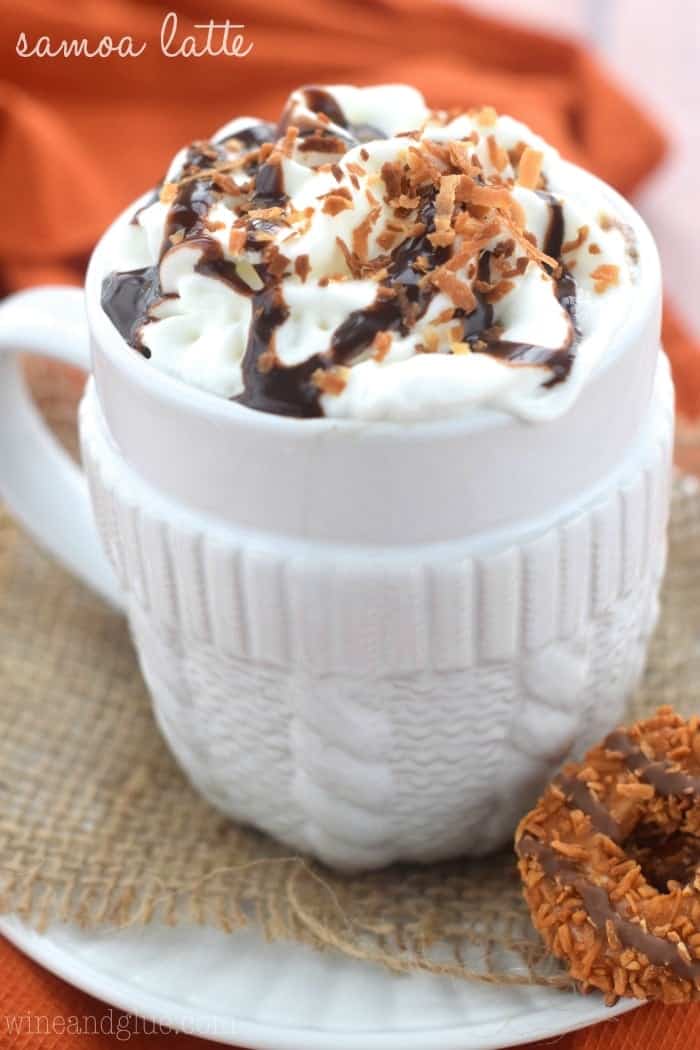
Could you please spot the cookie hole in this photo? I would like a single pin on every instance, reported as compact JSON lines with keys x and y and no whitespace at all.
{"x":663,"y":857}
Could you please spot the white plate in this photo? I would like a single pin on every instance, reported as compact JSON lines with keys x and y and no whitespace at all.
{"x":240,"y":990}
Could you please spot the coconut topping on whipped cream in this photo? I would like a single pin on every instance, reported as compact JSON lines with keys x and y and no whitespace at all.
{"x":369,"y":258}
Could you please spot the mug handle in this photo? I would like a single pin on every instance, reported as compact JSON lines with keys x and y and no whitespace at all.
{"x":39,"y":481}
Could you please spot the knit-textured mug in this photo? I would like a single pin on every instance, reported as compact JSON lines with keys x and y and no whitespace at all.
{"x":375,"y":641}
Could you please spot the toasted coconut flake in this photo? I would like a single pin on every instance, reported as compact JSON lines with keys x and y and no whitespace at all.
{"x":302,"y":267}
{"x":444,"y":207}
{"x":606,"y":276}
{"x":578,"y":241}
{"x":387,"y":239}
{"x":266,"y":213}
{"x":334,"y":203}
{"x":439,"y":152}
{"x":392,"y":177}
{"x":277,"y":263}
{"x":516,"y":153}
{"x":381,"y":345}
{"x":331,"y":381}
{"x":527,"y":242}
{"x":492,"y":196}
{"x":472,"y":229}
{"x":459,"y":292}
{"x":445,"y":316}
{"x":406,"y":202}
{"x":266,"y":361}
{"x":353,"y":263}
{"x":468,"y":250}
{"x":530,"y":167}
{"x":497,"y":155}
{"x":360,"y":235}
{"x":499,"y":291}
{"x":442,"y":238}
{"x":460,"y":155}
{"x":225,"y":183}
{"x":517,"y":213}
{"x":464,"y":190}
{"x":486,"y":116}
{"x":517,"y":269}
{"x":286,"y":145}
{"x":236,"y":240}
{"x":431,"y":340}
{"x":322,"y":142}
{"x":240,"y":161}
{"x":422,"y":168}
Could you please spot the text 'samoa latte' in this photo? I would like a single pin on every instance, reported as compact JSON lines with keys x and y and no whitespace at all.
{"x":369,"y":258}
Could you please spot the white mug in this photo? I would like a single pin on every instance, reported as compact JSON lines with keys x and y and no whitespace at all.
{"x":375,"y":641}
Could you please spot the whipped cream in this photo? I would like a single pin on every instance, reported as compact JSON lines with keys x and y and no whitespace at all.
{"x":370,"y":258}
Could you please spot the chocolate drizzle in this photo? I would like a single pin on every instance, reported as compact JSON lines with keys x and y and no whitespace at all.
{"x":403,"y":294}
{"x":310,"y":110}
{"x":319,"y":100}
{"x":269,"y":187}
{"x":403,"y":299}
{"x":554,"y":237}
{"x":127,"y":298}
{"x":558,"y":361}
{"x":658,"y":951}
{"x":251,"y":136}
{"x":664,"y":776}
{"x":152,"y":197}
{"x":213,"y":263}
{"x":583,"y":798}
{"x":478,"y":327}
{"x":268,"y":387}
{"x":189,"y":210}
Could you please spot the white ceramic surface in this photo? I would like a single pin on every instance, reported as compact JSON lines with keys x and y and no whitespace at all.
{"x":240,"y":990}
{"x":375,"y":641}
{"x":366,"y":706}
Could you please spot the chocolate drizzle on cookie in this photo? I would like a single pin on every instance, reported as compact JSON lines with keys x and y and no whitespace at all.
{"x":448,"y":217}
{"x":631,"y":934}
{"x":579,"y":793}
{"x":665,"y":777}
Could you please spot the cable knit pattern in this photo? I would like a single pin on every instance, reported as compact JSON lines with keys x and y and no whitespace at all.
{"x":370,"y":707}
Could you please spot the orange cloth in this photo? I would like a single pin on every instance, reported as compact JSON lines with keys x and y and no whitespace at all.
{"x":80,"y":138}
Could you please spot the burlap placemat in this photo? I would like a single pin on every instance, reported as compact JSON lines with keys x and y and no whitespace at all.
{"x":98,"y":825}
